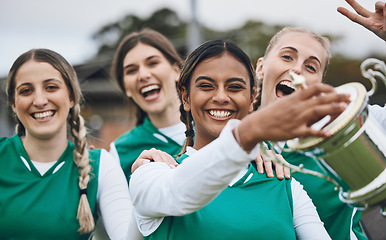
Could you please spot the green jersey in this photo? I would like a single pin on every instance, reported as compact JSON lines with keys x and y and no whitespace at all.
{"x":144,"y":137}
{"x":336,"y":215}
{"x":33,"y":206}
{"x":243,"y":211}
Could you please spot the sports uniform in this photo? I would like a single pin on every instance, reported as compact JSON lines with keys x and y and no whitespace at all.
{"x":39,"y":204}
{"x":211,"y":195}
{"x":129,"y":146}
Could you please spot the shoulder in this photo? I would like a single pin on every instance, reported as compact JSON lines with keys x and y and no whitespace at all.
{"x":5,"y":142}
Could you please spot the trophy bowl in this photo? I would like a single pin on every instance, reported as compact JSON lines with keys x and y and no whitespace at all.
{"x":355,"y":155}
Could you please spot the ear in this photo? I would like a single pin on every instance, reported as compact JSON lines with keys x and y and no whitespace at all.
{"x":252,"y":100}
{"x":185,"y":99}
{"x":259,"y":69}
{"x":13,"y":108}
{"x":178,"y":71}
{"x":128,"y":93}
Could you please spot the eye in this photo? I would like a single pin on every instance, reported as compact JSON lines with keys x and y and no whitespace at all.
{"x":25,"y":91}
{"x":153,"y":63}
{"x":236,"y":87}
{"x":52,"y":88}
{"x":311,"y":68}
{"x":205,"y":86}
{"x":130,"y":71}
{"x":286,"y":57}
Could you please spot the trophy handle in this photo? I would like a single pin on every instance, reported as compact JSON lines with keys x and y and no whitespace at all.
{"x":272,"y":157}
{"x":379,"y":70}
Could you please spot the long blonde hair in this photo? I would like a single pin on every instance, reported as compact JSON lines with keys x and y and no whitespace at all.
{"x":75,"y":121}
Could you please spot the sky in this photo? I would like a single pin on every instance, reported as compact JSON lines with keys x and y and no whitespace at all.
{"x":67,"y":26}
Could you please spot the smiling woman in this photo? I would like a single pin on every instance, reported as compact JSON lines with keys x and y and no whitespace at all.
{"x":216,"y":192}
{"x":292,"y":49}
{"x":52,"y":187}
{"x":305,"y":53}
{"x":42,"y":106}
{"x":146,"y":67}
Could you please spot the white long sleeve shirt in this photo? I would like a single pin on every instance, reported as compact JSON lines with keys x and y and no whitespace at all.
{"x":158,"y":191}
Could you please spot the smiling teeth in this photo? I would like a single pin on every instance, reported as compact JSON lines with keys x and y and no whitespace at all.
{"x":219,"y":114}
{"x":287,"y":83}
{"x":149,"y":88}
{"x":43,"y":114}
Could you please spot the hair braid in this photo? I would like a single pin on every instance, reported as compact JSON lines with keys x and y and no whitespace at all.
{"x":19,"y":128}
{"x":78,"y":131}
{"x":186,"y":118}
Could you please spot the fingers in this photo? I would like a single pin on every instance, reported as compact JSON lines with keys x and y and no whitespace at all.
{"x":259,"y":163}
{"x":360,"y":18}
{"x":350,"y":15}
{"x":314,"y":90}
{"x":373,"y":21}
{"x":358,"y":8}
{"x":380,"y":7}
{"x":323,"y":100}
{"x":284,"y":171}
{"x":318,"y":102}
{"x":279,"y":169}
{"x":160,"y":156}
{"x":268,"y":169}
{"x":287,"y":173}
{"x":138,"y":163}
{"x":153,"y":155}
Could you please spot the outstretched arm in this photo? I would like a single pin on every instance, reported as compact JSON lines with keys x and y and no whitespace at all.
{"x":373,"y":21}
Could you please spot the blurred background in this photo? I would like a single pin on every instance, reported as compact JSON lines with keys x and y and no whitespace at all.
{"x":86,"y":33}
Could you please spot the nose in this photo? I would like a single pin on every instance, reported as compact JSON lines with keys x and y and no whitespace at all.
{"x":40,"y":99}
{"x":297,"y":68}
{"x":221,"y":96}
{"x":144,"y":73}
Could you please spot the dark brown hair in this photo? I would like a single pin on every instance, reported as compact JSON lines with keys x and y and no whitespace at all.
{"x":151,"y":38}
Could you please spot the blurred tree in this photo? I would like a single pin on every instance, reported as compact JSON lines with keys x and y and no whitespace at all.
{"x":163,"y":20}
{"x":253,"y":37}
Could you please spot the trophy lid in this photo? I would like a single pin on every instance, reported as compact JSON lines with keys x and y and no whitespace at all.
{"x":357,"y":97}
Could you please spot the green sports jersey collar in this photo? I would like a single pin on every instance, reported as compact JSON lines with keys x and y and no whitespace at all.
{"x":25,"y":160}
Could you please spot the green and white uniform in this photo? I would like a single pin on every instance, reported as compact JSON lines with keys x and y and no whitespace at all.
{"x":44,"y":206}
{"x":144,"y":137}
{"x":340,"y":220}
{"x":41,"y":207}
{"x":212,"y":195}
{"x":238,"y":213}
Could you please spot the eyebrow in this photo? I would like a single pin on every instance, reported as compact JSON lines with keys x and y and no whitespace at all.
{"x":295,"y":50}
{"x":45,"y":81}
{"x":233,"y":79}
{"x":147,"y":59}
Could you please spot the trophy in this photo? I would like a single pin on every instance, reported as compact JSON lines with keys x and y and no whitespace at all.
{"x":355,"y":155}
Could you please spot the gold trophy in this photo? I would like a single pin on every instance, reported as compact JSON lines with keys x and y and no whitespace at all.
{"x":355,"y":156}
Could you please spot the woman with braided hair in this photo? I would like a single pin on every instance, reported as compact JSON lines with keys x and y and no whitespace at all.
{"x":51,"y":187}
{"x":146,"y":68}
{"x":216,"y":191}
